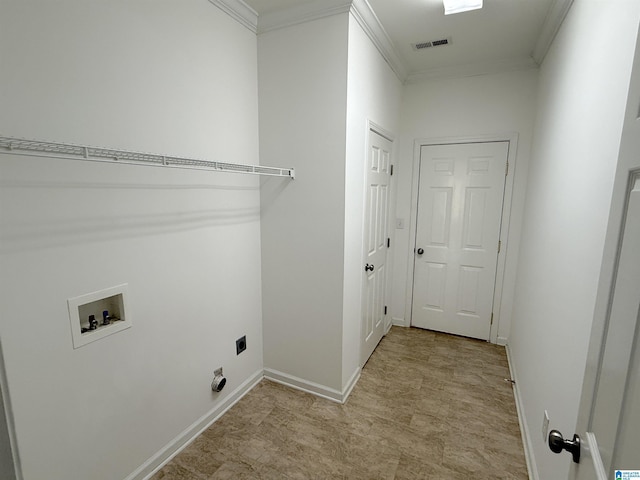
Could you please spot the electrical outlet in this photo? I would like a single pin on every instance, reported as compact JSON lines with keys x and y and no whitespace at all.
{"x":241,"y":344}
{"x":545,"y":425}
{"x":217,"y":371}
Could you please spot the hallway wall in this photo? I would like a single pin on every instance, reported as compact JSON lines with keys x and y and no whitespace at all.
{"x":176,"y":78}
{"x":581,"y":104}
{"x":303,"y":104}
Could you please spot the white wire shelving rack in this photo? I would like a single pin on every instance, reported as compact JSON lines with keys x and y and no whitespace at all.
{"x":37,"y":148}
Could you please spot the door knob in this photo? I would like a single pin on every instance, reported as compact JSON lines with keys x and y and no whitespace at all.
{"x":368,"y":268}
{"x":420,"y":251}
{"x":557,"y":443}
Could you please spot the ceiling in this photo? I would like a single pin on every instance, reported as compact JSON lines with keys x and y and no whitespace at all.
{"x":502,"y":35}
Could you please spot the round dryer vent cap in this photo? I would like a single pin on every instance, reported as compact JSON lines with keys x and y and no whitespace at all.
{"x":219,"y":381}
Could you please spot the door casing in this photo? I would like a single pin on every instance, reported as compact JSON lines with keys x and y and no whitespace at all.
{"x":512,"y":138}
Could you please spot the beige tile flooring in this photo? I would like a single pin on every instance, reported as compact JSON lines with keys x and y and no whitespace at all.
{"x":428,"y":406}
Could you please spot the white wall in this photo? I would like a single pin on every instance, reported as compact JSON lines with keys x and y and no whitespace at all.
{"x":373,"y":94}
{"x":581,"y":103}
{"x":320,"y":82}
{"x":462,"y":107}
{"x":166,"y":77}
{"x":303,"y":88}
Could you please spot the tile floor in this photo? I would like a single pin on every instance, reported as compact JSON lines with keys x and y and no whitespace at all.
{"x":428,"y":406}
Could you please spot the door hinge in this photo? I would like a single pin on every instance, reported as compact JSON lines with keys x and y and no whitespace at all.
{"x":391,"y":169}
{"x":388,"y":242}
{"x":491,"y":318}
{"x":506,"y":172}
{"x":385,"y":309}
{"x":499,"y":245}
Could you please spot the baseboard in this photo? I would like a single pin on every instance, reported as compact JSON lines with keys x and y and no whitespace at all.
{"x":175,"y":446}
{"x":398,"y":322}
{"x":524,"y":429}
{"x":350,"y":384}
{"x":182,"y":440}
{"x":304,"y":385}
{"x":502,"y":341}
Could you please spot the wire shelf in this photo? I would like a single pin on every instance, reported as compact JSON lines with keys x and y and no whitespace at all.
{"x":21,"y":146}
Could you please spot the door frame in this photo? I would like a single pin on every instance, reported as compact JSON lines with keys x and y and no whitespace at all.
{"x":498,"y":304}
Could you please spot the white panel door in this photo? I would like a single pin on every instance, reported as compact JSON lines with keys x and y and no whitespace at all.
{"x":375,"y":243}
{"x":611,"y":441}
{"x":460,"y":196}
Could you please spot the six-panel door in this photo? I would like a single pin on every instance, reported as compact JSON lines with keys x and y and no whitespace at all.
{"x":460,"y":198}
{"x":376,"y":234}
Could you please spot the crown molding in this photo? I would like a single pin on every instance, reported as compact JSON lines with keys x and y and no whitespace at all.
{"x":368,"y":20}
{"x":552,"y":23}
{"x":302,"y":13}
{"x":362,"y":13}
{"x":473,"y":69}
{"x":240,"y":12}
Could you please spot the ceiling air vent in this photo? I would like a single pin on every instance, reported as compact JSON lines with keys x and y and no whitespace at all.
{"x":431,"y":43}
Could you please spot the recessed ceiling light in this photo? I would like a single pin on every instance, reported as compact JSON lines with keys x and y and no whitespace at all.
{"x":458,"y":6}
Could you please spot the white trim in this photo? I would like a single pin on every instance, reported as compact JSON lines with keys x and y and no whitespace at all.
{"x":524,"y":429}
{"x":473,"y":69}
{"x":302,"y":13}
{"x":313,"y":388}
{"x":504,"y":237}
{"x":183,"y":439}
{"x":512,"y":139}
{"x":368,"y":20}
{"x":502,"y":341}
{"x":383,"y":132}
{"x":555,"y":16}
{"x":304,"y":385}
{"x":398,"y":322}
{"x":362,"y":13}
{"x":351,"y":383}
{"x":590,"y":448}
{"x":240,"y":12}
